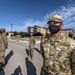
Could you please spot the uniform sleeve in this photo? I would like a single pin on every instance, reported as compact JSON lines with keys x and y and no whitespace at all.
{"x":72,"y":55}
{"x":72,"y":61}
{"x":41,"y":49}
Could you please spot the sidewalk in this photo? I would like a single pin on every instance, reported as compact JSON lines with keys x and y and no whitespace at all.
{"x":21,"y":40}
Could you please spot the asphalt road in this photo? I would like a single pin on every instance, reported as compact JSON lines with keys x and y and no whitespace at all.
{"x":17,"y":62}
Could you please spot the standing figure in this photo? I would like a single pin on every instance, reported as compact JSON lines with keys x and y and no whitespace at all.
{"x":31,"y":47}
{"x":56,"y":50}
{"x":2,"y":52}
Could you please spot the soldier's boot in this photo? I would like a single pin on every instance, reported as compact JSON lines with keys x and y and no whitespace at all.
{"x":32,"y":55}
{"x":28,"y":54}
{"x":43,"y":73}
{"x":2,"y":66}
{"x":29,"y":57}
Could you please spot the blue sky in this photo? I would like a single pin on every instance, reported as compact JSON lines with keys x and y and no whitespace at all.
{"x":24,"y":13}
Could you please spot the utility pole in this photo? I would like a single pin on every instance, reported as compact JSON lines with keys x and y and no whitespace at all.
{"x":11,"y":27}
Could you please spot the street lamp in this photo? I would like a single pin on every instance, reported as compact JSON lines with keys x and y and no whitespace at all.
{"x":11,"y":27}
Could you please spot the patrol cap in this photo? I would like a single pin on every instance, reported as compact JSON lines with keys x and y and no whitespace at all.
{"x":56,"y":18}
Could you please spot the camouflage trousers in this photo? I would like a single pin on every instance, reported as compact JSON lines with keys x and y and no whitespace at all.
{"x":44,"y":71}
{"x":72,"y":61}
{"x":2,"y":60}
{"x":31,"y":52}
{"x":2,"y":54}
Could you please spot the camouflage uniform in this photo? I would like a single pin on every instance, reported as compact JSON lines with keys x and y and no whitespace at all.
{"x":73,"y":62}
{"x":31,"y":47}
{"x":41,"y":48}
{"x":56,"y":56}
{"x":2,"y":52}
{"x":4,"y":37}
{"x":72,"y":59}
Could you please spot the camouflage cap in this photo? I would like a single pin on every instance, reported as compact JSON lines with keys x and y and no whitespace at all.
{"x":56,"y":18}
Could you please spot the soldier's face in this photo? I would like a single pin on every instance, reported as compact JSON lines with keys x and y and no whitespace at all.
{"x":56,"y":23}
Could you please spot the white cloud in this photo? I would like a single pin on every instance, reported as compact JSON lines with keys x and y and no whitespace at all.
{"x":67,"y":12}
{"x":31,"y":22}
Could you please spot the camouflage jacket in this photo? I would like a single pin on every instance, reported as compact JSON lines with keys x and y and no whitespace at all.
{"x":1,"y":43}
{"x":31,"y":42}
{"x":72,"y":42}
{"x":56,"y":55}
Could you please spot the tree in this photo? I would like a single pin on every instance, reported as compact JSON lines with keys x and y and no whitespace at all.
{"x":6,"y":33}
{"x":22,"y":34}
{"x":15,"y":33}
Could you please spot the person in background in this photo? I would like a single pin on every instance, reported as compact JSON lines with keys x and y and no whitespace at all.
{"x":31,"y":47}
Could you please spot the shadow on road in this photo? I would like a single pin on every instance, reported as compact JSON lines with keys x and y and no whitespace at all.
{"x":27,"y":51}
{"x":37,"y":50}
{"x":17,"y":71}
{"x":8,"y":57}
{"x":31,"y":70}
{"x":2,"y":72}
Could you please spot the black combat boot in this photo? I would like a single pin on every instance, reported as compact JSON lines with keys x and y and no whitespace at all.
{"x":2,"y":65}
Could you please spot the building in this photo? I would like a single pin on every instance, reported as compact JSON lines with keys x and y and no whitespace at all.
{"x":67,"y":31}
{"x":30,"y":29}
{"x":10,"y":34}
{"x":35,"y":29}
